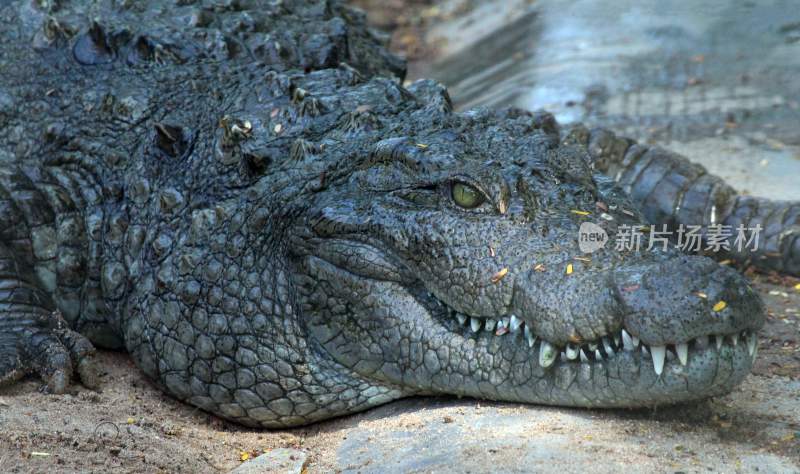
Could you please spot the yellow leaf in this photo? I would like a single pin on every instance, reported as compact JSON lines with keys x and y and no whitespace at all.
{"x":569,"y":269}
{"x":131,"y":421}
{"x":422,"y":146}
{"x":580,"y":213}
{"x":720,"y":306}
{"x":797,"y":287}
{"x":244,"y":456}
{"x":499,"y":275}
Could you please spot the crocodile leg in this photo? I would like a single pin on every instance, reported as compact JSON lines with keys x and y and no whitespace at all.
{"x":673,"y":191}
{"x":34,"y":338}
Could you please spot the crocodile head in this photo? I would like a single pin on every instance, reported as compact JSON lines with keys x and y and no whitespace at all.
{"x":447,"y":261}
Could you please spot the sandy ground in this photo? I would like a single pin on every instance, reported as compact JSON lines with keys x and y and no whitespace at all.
{"x":131,"y":426}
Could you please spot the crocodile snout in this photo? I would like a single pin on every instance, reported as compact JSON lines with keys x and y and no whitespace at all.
{"x":675,"y":300}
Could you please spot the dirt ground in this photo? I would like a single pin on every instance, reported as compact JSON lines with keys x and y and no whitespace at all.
{"x":131,"y":426}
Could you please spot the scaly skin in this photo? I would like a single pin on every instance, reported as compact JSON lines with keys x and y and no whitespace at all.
{"x":278,"y":238}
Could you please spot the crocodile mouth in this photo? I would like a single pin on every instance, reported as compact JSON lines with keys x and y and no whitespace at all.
{"x":603,"y":350}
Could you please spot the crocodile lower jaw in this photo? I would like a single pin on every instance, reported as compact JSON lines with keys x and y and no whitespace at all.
{"x":604,"y":349}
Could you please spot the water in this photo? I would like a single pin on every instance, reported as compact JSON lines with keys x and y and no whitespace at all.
{"x":715,"y":80}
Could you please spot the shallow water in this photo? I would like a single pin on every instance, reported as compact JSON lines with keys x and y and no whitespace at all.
{"x":716,"y":80}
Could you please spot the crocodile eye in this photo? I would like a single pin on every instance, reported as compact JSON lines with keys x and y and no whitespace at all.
{"x":466,"y":196}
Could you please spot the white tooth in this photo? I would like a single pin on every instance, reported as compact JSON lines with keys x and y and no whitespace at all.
{"x":616,"y":340}
{"x":572,"y":352}
{"x":719,"y":342}
{"x":514,"y":323}
{"x":659,"y":354}
{"x":529,"y":336}
{"x":598,"y":355}
{"x":547,"y":354}
{"x":645,"y":351}
{"x":752,"y":342}
{"x":635,"y":341}
{"x":683,"y":352}
{"x":475,"y":324}
{"x":461,"y":318}
{"x":627,"y":342}
{"x":592,"y":346}
{"x":702,"y":341}
{"x":734,"y":340}
{"x":490,"y":324}
{"x":607,"y":346}
{"x":584,"y":358}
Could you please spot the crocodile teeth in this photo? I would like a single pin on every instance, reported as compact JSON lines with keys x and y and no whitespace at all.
{"x":607,"y":346}
{"x":461,"y":318}
{"x":475,"y":324}
{"x":572,"y":352}
{"x":514,"y":323}
{"x":502,"y":327}
{"x":659,"y":354}
{"x":529,"y":336}
{"x":719,"y":342}
{"x":616,"y":340}
{"x":490,"y":324}
{"x":627,"y":342}
{"x":702,"y":341}
{"x":645,"y":352}
{"x":547,"y":354}
{"x":752,"y":342}
{"x":592,"y":346}
{"x":735,"y":340}
{"x":683,"y":352}
{"x":635,"y":341}
{"x":584,"y":357}
{"x":597,"y":354}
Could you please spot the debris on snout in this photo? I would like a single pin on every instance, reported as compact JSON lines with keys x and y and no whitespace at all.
{"x":569,"y":269}
{"x":701,"y":294}
{"x":39,"y":454}
{"x":720,"y":306}
{"x":422,"y":146}
{"x":630,"y":288}
{"x":601,"y":206}
{"x":583,"y":259}
{"x":580,"y":213}
{"x":539,"y":267}
{"x":499,"y":275}
{"x":628,"y":213}
{"x":491,"y":251}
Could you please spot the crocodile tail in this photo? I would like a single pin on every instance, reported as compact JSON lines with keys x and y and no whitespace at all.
{"x":671,"y":190}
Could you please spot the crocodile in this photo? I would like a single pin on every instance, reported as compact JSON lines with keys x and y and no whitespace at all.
{"x":245,"y":196}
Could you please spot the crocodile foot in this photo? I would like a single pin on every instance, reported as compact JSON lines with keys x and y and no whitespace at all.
{"x":43,"y":345}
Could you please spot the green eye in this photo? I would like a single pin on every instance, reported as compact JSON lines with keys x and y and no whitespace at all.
{"x":466,"y":196}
